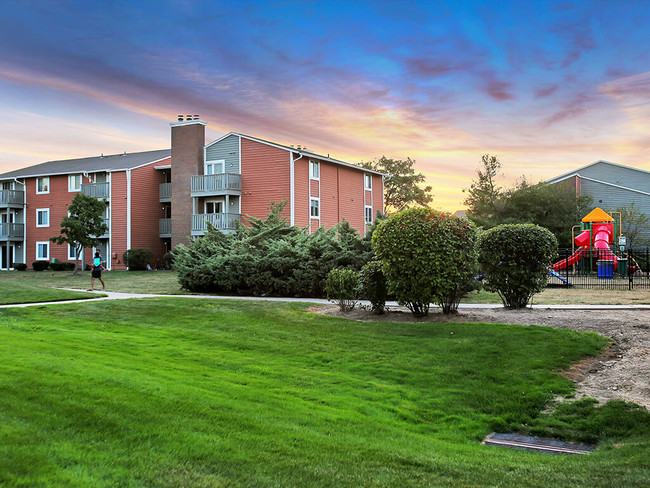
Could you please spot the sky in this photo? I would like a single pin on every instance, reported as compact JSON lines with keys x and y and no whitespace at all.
{"x":546,"y":86}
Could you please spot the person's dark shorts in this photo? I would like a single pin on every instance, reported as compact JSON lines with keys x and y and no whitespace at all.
{"x":97,"y":273}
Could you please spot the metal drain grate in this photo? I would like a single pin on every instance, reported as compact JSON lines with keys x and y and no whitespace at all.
{"x":538,"y":444}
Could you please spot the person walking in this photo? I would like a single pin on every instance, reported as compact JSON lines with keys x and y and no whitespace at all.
{"x":97,"y":272}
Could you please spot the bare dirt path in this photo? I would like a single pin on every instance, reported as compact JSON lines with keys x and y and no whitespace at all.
{"x":622,"y":372}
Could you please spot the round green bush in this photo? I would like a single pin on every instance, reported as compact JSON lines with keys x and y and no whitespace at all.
{"x":341,"y":286}
{"x":515,"y":259}
{"x":136,"y":259}
{"x":427,"y":257}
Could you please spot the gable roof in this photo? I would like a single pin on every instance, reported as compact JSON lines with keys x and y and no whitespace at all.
{"x":301,"y":152}
{"x":113,"y":162}
{"x":597,"y":215}
{"x":576,"y":172}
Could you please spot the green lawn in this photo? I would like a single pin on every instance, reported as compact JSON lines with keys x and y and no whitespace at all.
{"x":27,"y":291}
{"x":212,"y":393}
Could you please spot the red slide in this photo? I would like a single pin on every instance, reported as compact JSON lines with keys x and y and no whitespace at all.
{"x":601,"y":244}
{"x":575,"y":257}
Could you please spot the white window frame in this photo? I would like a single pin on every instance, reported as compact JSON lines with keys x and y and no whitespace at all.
{"x":46,"y":181}
{"x":314,"y":170}
{"x":315,"y":200}
{"x":220,"y":202}
{"x":72,"y":255}
{"x":367,"y":210}
{"x":367,"y":181}
{"x":72,"y":179}
{"x":47,"y":247}
{"x":45,"y":211}
{"x":214,"y":164}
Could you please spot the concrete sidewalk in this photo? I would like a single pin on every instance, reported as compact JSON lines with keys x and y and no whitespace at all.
{"x":111,"y":295}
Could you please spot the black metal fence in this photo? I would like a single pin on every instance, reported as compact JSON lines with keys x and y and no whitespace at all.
{"x":600,"y":269}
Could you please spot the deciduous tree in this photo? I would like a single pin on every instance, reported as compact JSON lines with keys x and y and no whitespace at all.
{"x":82,"y":225}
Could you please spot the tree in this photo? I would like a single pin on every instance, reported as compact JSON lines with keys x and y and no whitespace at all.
{"x":553,"y":206}
{"x":515,"y":260}
{"x":635,"y":225}
{"x":426,"y":256}
{"x":485,"y":200}
{"x":82,"y":225}
{"x":402,"y":186}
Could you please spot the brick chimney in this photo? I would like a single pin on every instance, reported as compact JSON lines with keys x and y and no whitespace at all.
{"x":188,"y":141}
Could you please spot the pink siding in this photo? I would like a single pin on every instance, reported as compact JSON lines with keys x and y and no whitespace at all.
{"x":265,"y":177}
{"x":377,"y":195}
{"x":146,"y":209}
{"x":313,"y":188}
{"x":329,"y":202}
{"x":351,"y":197}
{"x":118,"y":219}
{"x":301,"y":192}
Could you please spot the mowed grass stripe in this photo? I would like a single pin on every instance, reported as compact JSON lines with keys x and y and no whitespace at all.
{"x":181,"y":392}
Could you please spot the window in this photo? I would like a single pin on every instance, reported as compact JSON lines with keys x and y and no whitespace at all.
{"x":43,"y":185}
{"x":215,"y":167}
{"x":42,"y":217}
{"x":367,"y":181}
{"x":72,"y":254}
{"x":212,"y":207}
{"x":314,"y":210}
{"x":314,"y":170}
{"x":43,"y":251}
{"x":368,"y":211}
{"x":74,"y":183}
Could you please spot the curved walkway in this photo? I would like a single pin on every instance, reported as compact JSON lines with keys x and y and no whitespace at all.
{"x":111,"y":295}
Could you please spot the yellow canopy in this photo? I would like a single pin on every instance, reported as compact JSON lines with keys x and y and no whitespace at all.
{"x":597,"y":215}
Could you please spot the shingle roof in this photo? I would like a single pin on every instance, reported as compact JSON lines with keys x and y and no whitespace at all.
{"x":113,"y":162}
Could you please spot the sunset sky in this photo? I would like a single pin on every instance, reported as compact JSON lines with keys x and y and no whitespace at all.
{"x":546,"y":86}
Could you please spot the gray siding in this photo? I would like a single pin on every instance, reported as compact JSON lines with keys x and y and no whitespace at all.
{"x":228,"y":150}
{"x":609,"y":197}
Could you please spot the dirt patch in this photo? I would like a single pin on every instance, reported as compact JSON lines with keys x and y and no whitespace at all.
{"x":622,"y":372}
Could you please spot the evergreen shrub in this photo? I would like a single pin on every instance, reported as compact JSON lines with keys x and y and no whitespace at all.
{"x":40,"y":265}
{"x":58,"y":266}
{"x":20,"y":266}
{"x":269,"y":257}
{"x":168,"y":259}
{"x":136,"y":259}
{"x":341,"y":286}
{"x":372,"y":286}
{"x":515,"y":259}
{"x":427,"y":257}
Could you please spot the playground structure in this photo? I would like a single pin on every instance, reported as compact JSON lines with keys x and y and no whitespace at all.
{"x":594,"y":247}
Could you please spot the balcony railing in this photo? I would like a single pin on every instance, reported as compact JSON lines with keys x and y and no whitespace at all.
{"x":165,"y":227}
{"x":219,"y":184}
{"x":11,"y":231}
{"x":97,"y":190}
{"x":222,"y":221}
{"x":165,"y":192}
{"x":12,"y":197}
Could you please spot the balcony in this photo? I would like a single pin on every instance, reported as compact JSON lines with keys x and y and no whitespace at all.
{"x":165,"y":227}
{"x":106,"y":234}
{"x":12,"y":198}
{"x":219,"y":184}
{"x":97,"y":190}
{"x":223,"y":221}
{"x":11,"y":231}
{"x":165,"y":192}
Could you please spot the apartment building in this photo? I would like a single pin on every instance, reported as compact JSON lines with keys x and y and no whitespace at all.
{"x":159,"y":199}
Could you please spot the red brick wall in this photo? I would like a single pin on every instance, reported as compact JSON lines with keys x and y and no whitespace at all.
{"x":264,"y":178}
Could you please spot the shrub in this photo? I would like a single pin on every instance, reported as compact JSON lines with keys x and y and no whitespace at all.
{"x":270,"y":257}
{"x":372,"y":286}
{"x":427,"y":256}
{"x":168,"y":259}
{"x":515,"y":259}
{"x":40,"y":265}
{"x":58,"y":266}
{"x":20,"y":266}
{"x":341,"y":286}
{"x":68,"y":266}
{"x":137,"y":258}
